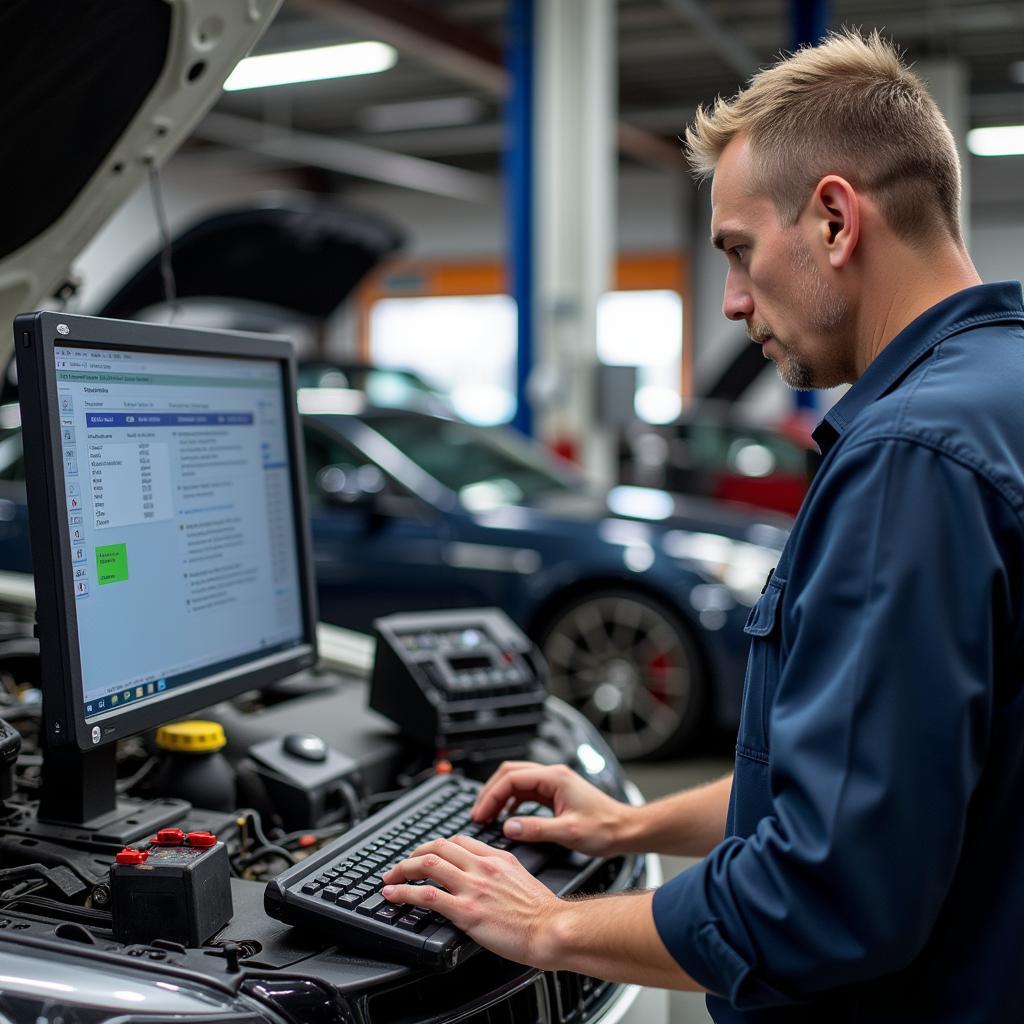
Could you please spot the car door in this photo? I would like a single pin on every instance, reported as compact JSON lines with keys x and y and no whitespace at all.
{"x":371,"y":557}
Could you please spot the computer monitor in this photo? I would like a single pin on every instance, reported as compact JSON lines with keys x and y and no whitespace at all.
{"x":169,"y":532}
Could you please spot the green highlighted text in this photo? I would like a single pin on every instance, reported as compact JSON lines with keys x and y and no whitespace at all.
{"x":112,"y":563}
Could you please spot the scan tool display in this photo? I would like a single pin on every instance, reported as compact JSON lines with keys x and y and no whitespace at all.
{"x":176,"y":472}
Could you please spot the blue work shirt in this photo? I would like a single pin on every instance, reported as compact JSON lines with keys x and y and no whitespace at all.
{"x":873,"y":865}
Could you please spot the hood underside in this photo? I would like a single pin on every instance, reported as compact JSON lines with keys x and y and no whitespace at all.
{"x":95,"y":94}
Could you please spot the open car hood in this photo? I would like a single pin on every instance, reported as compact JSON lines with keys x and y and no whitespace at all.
{"x":96,"y":92}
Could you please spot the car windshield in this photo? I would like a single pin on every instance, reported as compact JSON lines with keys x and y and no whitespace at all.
{"x":486,"y":466}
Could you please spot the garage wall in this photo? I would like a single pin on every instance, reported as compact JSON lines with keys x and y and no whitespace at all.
{"x":997,"y":217}
{"x":652,"y":215}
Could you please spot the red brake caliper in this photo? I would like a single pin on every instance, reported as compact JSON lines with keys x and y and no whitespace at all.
{"x":658,"y":668}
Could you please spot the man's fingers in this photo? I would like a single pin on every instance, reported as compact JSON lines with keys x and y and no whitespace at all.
{"x":427,"y":896}
{"x":446,"y":849}
{"x":532,"y":783}
{"x":532,"y":829}
{"x":415,"y":869}
{"x":502,"y":771}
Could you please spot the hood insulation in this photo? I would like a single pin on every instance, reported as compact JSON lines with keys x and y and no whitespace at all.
{"x":73,"y":74}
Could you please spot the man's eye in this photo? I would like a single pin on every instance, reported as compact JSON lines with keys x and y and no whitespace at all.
{"x":739,"y":251}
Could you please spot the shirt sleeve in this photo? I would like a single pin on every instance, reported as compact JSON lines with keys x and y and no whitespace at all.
{"x":877,"y":734}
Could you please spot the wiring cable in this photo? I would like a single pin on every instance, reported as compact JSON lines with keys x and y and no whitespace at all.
{"x":166,"y":265}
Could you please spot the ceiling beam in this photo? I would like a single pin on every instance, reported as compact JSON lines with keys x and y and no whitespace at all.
{"x":457,"y":140}
{"x":464,"y":53}
{"x":733,"y":50}
{"x":349,"y":158}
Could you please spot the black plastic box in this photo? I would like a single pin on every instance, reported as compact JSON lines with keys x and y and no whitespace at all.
{"x":181,"y":893}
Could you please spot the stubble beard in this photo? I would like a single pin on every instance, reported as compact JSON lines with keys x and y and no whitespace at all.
{"x":825,"y":311}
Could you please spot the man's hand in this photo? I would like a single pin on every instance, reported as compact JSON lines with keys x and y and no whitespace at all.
{"x":499,"y":904}
{"x":490,"y":896}
{"x":585,"y":818}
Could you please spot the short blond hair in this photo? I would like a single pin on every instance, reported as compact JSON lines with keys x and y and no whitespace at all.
{"x":848,"y":106}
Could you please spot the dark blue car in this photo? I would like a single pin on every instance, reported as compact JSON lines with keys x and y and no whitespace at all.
{"x":637,"y":597}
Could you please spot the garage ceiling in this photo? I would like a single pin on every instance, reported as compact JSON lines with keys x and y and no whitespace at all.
{"x":672,"y":55}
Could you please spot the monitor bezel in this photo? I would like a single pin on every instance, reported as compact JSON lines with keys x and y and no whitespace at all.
{"x":36,"y":336}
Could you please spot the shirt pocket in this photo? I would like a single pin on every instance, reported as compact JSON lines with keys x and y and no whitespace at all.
{"x":763,"y":668}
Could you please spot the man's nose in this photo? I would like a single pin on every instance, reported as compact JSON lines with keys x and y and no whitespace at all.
{"x":738,"y":303}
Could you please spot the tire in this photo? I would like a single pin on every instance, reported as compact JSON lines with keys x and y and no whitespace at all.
{"x":626,"y":662}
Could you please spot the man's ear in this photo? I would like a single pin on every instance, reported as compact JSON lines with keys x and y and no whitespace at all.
{"x":836,"y":210}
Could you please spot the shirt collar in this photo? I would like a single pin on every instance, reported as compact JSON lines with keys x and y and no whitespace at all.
{"x":980,"y":304}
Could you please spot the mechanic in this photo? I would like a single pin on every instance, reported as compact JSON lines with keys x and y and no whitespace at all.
{"x":864,"y":861}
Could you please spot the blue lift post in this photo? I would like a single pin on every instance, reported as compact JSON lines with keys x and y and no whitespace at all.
{"x":518,"y":175}
{"x":809,"y":21}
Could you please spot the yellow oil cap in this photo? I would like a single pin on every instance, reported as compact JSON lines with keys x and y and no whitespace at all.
{"x":191,"y":737}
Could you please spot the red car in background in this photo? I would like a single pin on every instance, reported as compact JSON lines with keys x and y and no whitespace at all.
{"x":719,"y":452}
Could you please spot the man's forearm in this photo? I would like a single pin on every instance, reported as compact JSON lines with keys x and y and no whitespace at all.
{"x":688,"y":824}
{"x":611,"y":937}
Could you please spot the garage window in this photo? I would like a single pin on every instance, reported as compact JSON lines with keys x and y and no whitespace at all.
{"x":464,"y":345}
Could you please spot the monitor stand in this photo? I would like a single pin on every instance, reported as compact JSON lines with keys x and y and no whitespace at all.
{"x":79,"y":805}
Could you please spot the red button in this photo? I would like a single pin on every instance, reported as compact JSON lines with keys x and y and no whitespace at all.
{"x":169,"y":837}
{"x":201,"y":839}
{"x":130,"y":856}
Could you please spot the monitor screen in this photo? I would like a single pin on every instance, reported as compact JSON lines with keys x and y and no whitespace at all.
{"x":183,"y":551}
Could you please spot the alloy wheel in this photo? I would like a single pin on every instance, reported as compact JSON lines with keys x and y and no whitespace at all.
{"x":630,"y":667}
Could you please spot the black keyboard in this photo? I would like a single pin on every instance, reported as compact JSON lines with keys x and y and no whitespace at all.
{"x":337,"y":889}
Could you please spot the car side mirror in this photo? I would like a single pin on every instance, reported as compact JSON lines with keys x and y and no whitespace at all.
{"x":351,"y":486}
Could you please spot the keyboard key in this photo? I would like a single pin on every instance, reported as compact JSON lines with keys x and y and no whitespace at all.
{"x":369,"y":906}
{"x":332,"y":892}
{"x":409,"y":923}
{"x":311,"y":888}
{"x":391,"y":912}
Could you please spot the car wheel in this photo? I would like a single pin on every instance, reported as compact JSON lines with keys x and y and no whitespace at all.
{"x":629,"y":665}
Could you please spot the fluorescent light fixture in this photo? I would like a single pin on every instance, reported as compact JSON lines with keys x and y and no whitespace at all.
{"x":1005,"y":140}
{"x":311,"y":65}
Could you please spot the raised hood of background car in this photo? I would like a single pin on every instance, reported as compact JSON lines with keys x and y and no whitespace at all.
{"x":94,"y":94}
